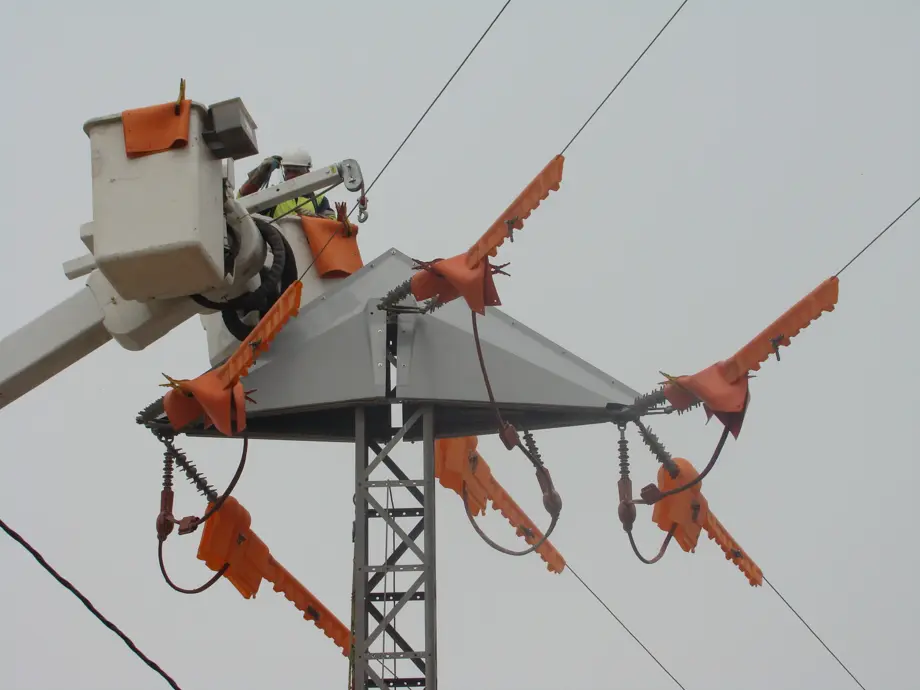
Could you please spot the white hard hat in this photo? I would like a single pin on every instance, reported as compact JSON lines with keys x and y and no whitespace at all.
{"x":298,"y":157}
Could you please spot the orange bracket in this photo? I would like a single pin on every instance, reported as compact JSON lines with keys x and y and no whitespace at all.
{"x":452,"y":467}
{"x":227,"y":538}
{"x":723,"y":387}
{"x":689,"y":511}
{"x":218,"y":394}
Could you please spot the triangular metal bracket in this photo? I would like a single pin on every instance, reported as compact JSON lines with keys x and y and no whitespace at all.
{"x":334,"y":356}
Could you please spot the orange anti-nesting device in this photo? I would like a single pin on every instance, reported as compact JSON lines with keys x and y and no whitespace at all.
{"x":218,"y":395}
{"x":688,"y":513}
{"x":228,"y":539}
{"x":723,"y":386}
{"x":469,"y":275}
{"x":454,"y":470}
{"x":547,"y":180}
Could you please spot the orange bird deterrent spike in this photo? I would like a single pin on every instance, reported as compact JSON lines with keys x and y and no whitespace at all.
{"x":452,"y":467}
{"x":547,"y":180}
{"x":228,"y":539}
{"x":688,"y":510}
{"x":469,"y":275}
{"x":218,"y":395}
{"x":723,"y":387}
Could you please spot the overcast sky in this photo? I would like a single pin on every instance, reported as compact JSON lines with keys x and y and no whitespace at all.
{"x":754,"y":150}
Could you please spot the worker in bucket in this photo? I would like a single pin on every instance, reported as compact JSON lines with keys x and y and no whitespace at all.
{"x":293,"y":164}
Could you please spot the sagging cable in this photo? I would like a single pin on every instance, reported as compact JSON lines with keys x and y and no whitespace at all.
{"x":166,"y":520}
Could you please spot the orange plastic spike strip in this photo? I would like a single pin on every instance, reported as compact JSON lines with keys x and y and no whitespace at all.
{"x":732,"y":550}
{"x":311,"y":607}
{"x":228,"y":538}
{"x":548,"y":180}
{"x":749,"y":358}
{"x":453,"y":469}
{"x":284,"y":309}
{"x":512,"y":512}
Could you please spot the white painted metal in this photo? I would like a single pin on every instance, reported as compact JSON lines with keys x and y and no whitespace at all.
{"x":158,"y":221}
{"x":79,"y":267}
{"x":49,"y":344}
{"x":135,"y":325}
{"x":347,"y":171}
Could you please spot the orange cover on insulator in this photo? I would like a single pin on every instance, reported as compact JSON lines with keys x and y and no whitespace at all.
{"x":723,"y":387}
{"x":453,"y":469}
{"x":689,"y":511}
{"x":681,"y":508}
{"x":227,"y":538}
{"x":451,"y":278}
{"x":206,"y":396}
{"x":335,"y":247}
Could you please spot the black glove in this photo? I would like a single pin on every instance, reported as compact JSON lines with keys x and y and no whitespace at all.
{"x":265,"y":167}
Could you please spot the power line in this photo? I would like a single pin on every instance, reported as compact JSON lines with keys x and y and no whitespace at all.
{"x":443,"y":89}
{"x":817,"y":637}
{"x":623,"y":625}
{"x":414,"y":127}
{"x":86,"y":602}
{"x":623,"y":78}
{"x":877,"y":237}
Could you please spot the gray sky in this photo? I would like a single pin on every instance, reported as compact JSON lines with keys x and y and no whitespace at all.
{"x":754,"y":150}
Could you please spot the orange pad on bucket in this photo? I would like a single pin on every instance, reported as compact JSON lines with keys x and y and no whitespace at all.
{"x":335,"y":251}
{"x":156,"y":128}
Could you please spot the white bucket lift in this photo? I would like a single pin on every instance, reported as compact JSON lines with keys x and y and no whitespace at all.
{"x":158,"y":221}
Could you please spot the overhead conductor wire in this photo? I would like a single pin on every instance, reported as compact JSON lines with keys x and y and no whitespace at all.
{"x":415,"y":126}
{"x":770,"y":584}
{"x":811,"y":630}
{"x":571,"y":141}
{"x":878,"y":236}
{"x":623,"y":78}
{"x":87,"y":603}
{"x":395,"y":153}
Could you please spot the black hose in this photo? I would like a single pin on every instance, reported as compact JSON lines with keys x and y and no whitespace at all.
{"x":274,"y":281}
{"x":277,"y":245}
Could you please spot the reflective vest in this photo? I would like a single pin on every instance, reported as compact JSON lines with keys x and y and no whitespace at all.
{"x":302,"y":204}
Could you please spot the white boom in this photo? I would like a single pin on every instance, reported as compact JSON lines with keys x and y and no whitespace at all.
{"x":166,"y":237}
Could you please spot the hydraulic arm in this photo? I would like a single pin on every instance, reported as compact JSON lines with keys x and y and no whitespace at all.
{"x":168,"y":240}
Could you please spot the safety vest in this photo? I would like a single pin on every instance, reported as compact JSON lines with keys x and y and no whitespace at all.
{"x":302,"y":204}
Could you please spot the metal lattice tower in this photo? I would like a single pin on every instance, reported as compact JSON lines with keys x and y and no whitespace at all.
{"x":407,"y":563}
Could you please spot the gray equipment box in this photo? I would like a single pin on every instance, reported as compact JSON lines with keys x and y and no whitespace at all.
{"x":232,"y":133}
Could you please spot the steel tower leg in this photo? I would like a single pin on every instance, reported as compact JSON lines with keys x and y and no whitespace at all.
{"x":392,"y":581}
